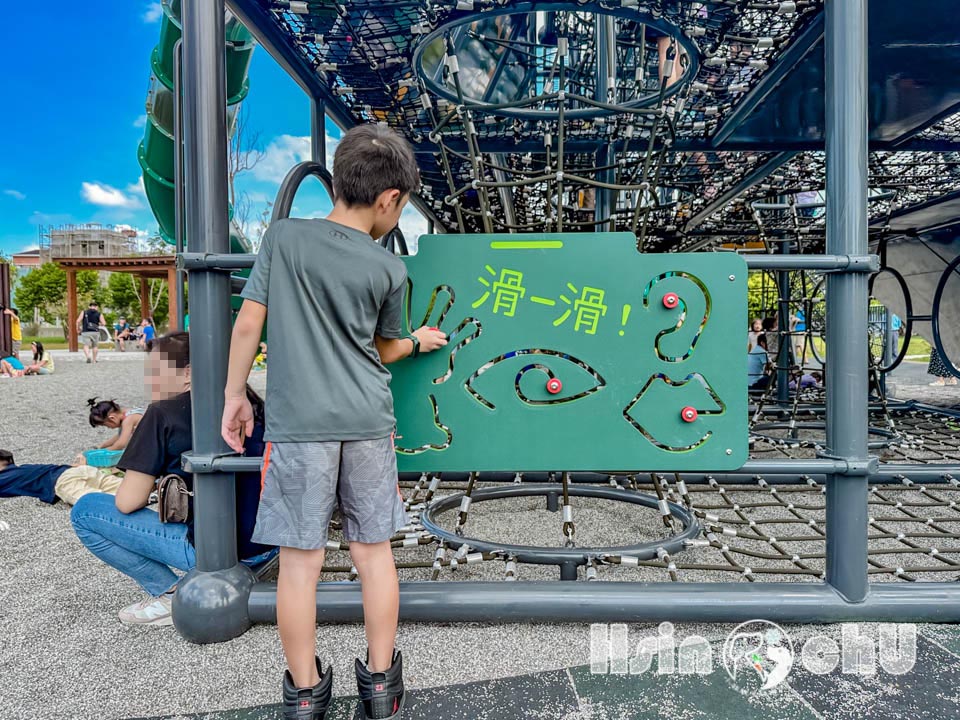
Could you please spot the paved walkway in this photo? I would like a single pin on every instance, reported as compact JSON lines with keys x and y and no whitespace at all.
{"x":928,"y":692}
{"x":910,"y":381}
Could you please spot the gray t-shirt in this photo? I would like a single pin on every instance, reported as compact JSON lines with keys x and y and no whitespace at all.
{"x":328,"y":288}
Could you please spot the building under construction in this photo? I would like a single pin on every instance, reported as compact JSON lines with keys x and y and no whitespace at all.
{"x":86,"y":240}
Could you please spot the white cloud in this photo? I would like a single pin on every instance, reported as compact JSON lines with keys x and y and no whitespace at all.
{"x":137,"y":187}
{"x":153,"y":13}
{"x":15,"y":194}
{"x":141,"y":238}
{"x":413,"y":225}
{"x":257,"y":198}
{"x":284,"y":152}
{"x":140,"y":121}
{"x":331,"y":148}
{"x":281,"y":154}
{"x":107,"y":196}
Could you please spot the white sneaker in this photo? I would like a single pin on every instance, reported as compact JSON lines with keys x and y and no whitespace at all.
{"x":152,"y":611}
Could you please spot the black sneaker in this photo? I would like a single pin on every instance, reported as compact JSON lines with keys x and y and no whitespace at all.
{"x":381,"y":693}
{"x":307,"y":703}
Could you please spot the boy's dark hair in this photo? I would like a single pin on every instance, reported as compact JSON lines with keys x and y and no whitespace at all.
{"x":94,"y":303}
{"x":769,"y":322}
{"x":175,"y":345}
{"x":762,"y":340}
{"x":6,"y":457}
{"x":371,"y":159}
{"x":100,"y":410}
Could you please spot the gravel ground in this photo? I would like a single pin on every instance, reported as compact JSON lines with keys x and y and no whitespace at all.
{"x":64,"y":654}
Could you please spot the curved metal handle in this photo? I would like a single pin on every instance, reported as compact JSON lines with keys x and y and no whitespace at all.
{"x":291,"y":184}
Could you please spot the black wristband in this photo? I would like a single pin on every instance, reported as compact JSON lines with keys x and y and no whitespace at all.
{"x":416,"y":345}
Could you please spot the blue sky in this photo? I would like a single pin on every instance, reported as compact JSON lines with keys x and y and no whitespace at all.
{"x":73,"y":85}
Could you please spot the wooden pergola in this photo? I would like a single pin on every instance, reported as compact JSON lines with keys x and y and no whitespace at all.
{"x":144,"y":268}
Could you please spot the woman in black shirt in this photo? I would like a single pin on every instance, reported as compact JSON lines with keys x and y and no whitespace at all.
{"x":127,"y":535}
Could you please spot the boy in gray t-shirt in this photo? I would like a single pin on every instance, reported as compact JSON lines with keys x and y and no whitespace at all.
{"x":335,"y":298}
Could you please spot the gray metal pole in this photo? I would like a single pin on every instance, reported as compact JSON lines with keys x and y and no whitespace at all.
{"x":211,"y":602}
{"x":178,"y":175}
{"x":847,"y":297}
{"x":730,"y":602}
{"x":318,"y":132}
{"x":605,"y":199}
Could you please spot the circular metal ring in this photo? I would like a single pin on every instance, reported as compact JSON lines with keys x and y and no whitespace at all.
{"x":560,"y":555}
{"x":935,"y":316}
{"x":641,"y":15}
{"x":759,"y":431}
{"x":908,"y":304}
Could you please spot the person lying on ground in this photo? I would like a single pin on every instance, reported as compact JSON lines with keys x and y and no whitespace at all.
{"x":106,"y":413}
{"x":11,"y":367}
{"x":50,"y":483}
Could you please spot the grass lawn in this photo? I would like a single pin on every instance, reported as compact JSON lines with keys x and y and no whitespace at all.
{"x":919,"y":350}
{"x":49,"y":343}
{"x":53,"y":343}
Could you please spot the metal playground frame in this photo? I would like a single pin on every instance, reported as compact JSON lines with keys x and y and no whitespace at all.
{"x":220,"y":598}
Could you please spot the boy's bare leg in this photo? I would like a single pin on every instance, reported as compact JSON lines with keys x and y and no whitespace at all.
{"x":381,"y":600}
{"x":297,"y":611}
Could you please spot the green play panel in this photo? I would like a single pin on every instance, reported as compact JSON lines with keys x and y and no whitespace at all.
{"x":573,"y":352}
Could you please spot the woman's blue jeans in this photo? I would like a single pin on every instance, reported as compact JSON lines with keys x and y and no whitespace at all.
{"x":137,"y":544}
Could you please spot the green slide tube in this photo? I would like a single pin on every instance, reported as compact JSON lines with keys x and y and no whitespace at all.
{"x":156,"y":152}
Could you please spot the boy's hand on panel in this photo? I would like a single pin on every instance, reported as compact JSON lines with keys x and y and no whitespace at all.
{"x":430,"y":338}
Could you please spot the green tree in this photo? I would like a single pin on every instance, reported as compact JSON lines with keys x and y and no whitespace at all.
{"x":14,"y":271}
{"x":762,"y":294}
{"x":123,"y":294}
{"x":159,"y":301}
{"x":46,"y":288}
{"x":124,"y":297}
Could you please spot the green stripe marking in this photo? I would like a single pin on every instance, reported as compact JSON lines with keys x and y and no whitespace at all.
{"x":526,"y":244}
{"x":542,"y":301}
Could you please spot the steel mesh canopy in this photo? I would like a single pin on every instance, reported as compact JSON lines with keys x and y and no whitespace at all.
{"x":511,"y":141}
{"x":515,"y":108}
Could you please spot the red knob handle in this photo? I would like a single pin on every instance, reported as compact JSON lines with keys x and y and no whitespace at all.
{"x":554,"y":386}
{"x":670,"y":301}
{"x":689,"y":414}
